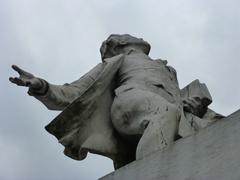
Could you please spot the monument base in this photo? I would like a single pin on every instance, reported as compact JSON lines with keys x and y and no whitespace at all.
{"x":213,"y":153}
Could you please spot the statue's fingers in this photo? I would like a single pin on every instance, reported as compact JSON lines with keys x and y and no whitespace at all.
{"x":21,"y":72}
{"x":14,"y":80}
{"x":18,"y":69}
{"x":11,"y":79}
{"x":194,"y":102}
{"x":18,"y":81}
{"x":188,"y":104}
{"x":21,"y":82}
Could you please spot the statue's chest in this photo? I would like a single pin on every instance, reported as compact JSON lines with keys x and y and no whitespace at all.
{"x":143,"y":70}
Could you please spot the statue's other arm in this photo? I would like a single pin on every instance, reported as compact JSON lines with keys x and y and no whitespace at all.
{"x":55,"y":97}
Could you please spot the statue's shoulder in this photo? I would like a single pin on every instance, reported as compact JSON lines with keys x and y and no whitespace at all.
{"x":164,"y":62}
{"x":113,"y":59}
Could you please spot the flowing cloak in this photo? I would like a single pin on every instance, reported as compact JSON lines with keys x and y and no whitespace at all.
{"x":85,"y":126}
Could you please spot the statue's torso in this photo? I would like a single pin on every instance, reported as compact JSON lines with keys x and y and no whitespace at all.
{"x":145,"y":86}
{"x":141,"y":72}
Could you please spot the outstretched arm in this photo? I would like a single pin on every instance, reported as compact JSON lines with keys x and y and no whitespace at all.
{"x":54,"y":97}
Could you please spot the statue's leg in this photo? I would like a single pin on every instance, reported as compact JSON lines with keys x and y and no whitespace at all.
{"x":145,"y":119}
{"x":160,"y":131}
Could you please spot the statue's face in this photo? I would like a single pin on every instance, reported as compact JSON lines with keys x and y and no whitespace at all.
{"x":116,"y":44}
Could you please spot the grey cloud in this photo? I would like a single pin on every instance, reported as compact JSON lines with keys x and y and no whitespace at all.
{"x":200,"y":39}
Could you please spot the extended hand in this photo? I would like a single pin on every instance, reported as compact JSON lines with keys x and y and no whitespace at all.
{"x":192,"y":104}
{"x":26,"y":79}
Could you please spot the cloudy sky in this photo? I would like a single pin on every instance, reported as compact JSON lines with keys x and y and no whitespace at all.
{"x":59,"y":40}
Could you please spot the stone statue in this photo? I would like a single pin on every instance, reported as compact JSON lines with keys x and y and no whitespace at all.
{"x":125,"y":108}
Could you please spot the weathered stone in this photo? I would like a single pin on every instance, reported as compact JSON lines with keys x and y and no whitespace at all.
{"x":212,"y":153}
{"x":125,"y":108}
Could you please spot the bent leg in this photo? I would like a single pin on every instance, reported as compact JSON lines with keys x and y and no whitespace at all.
{"x":160,"y":132}
{"x":146,"y":119}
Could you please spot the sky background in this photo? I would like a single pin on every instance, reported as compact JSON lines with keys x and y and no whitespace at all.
{"x":59,"y":41}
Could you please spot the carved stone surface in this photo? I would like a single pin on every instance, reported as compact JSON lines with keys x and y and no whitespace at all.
{"x":213,"y":153}
{"x":125,"y":108}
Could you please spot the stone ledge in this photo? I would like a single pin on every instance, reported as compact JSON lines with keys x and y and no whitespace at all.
{"x":213,"y":153}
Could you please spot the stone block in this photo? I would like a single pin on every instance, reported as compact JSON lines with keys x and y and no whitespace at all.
{"x":211,"y":154}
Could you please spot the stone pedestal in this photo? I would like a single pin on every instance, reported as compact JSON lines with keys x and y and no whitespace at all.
{"x":211,"y":154}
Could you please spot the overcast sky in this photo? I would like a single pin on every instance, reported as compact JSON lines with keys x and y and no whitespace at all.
{"x":59,"y":41}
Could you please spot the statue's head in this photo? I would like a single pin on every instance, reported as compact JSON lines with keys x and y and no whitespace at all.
{"x":115,"y":44}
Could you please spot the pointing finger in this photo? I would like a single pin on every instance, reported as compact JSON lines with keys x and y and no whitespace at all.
{"x":22,"y":72}
{"x":18,"y":69}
